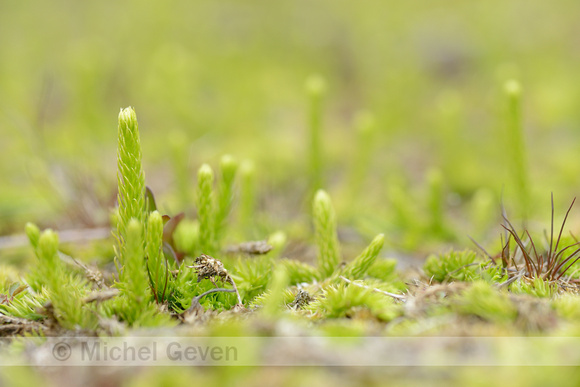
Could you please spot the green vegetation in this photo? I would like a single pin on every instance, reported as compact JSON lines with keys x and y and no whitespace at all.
{"x":158,"y":288}
{"x":297,"y":170}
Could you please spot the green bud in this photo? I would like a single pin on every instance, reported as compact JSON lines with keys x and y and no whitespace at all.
{"x":323,"y":205}
{"x":315,"y":85}
{"x":205,"y":174}
{"x":247,"y":168}
{"x":134,"y":230}
{"x":128,"y":119}
{"x":228,"y":167}
{"x":33,"y":234}
{"x":155,"y":223}
{"x":48,"y":246}
{"x":186,"y":237}
{"x":277,"y":240}
{"x":513,"y":88}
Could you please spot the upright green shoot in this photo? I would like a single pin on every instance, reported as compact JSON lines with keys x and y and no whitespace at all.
{"x":130,"y":176}
{"x":483,"y":211}
{"x":365,"y":131}
{"x":156,"y":263}
{"x":315,"y":88}
{"x":325,"y":234}
{"x":516,"y":147}
{"x":133,"y":304}
{"x":66,"y":297}
{"x":133,"y":282}
{"x":225,"y":194}
{"x":178,"y":142}
{"x":404,"y":213}
{"x":435,"y":204}
{"x":247,"y":193}
{"x":360,"y":266}
{"x":206,"y":209}
{"x":274,"y":299}
{"x":449,"y":118}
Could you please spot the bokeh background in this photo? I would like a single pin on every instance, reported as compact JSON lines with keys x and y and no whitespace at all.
{"x":215,"y":77}
{"x":209,"y":78}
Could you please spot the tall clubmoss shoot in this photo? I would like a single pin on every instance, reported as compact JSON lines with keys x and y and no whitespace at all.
{"x":157,"y":267}
{"x":325,"y":234}
{"x":273,"y":301}
{"x":358,"y":268}
{"x":206,"y":209}
{"x":134,"y":304}
{"x":483,"y":210}
{"x":130,"y":176}
{"x":435,"y":204}
{"x":225,"y":194}
{"x":135,"y":241}
{"x":179,"y":154}
{"x":33,"y":233}
{"x":516,"y":149}
{"x":315,"y":90}
{"x":365,"y":127}
{"x":248,"y":200}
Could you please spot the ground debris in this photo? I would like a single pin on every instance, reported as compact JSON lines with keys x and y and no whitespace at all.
{"x":302,"y":299}
{"x":11,"y":326}
{"x":101,"y":296}
{"x":251,"y":248}
{"x":534,"y":314}
{"x":208,"y":267}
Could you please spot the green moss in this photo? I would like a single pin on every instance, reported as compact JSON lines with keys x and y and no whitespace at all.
{"x":252,"y":276}
{"x":65,"y":290}
{"x":536,"y":287}
{"x":384,"y":269}
{"x":338,"y":301}
{"x":483,"y":300}
{"x":567,"y":306}
{"x":274,"y":301}
{"x":454,"y":265}
{"x":186,"y":237}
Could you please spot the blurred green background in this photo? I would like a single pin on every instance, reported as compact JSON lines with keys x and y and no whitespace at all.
{"x":215,"y":77}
